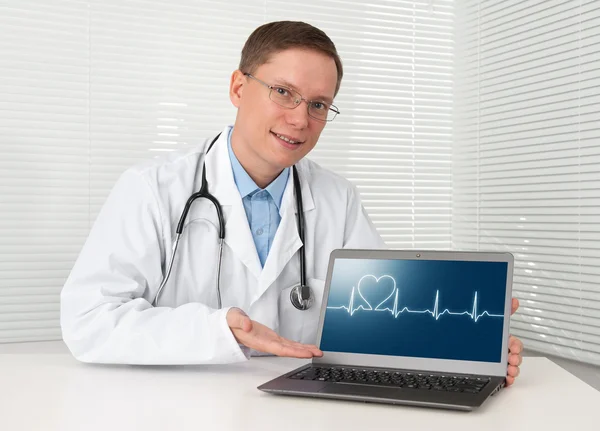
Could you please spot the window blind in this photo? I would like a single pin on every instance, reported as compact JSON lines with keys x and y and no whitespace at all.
{"x":393,"y":139}
{"x":526,"y":160}
{"x":89,"y":88}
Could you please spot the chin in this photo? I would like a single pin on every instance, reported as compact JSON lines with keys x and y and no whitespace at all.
{"x":283,"y":160}
{"x":283,"y":163}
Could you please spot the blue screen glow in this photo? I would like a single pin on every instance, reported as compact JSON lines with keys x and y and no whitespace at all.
{"x":417,"y":308}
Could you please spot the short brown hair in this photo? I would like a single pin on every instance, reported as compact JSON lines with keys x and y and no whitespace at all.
{"x":278,"y":36}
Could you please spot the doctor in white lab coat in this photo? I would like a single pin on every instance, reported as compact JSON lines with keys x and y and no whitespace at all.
{"x":107,"y":314}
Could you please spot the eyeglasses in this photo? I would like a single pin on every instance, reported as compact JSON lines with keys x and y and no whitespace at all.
{"x":290,"y":99}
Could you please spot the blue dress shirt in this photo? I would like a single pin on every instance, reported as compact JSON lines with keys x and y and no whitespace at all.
{"x":261,"y":205}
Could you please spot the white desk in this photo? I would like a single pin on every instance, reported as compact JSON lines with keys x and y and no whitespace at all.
{"x":43,"y":388}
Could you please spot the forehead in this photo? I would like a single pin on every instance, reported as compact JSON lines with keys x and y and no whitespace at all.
{"x":312,"y":73}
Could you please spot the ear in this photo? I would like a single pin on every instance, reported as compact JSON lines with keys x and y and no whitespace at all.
{"x":236,"y":87}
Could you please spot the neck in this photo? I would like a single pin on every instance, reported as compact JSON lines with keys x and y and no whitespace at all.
{"x":260,"y":171}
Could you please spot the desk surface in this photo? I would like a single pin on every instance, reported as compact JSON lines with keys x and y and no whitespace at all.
{"x":44,"y":388}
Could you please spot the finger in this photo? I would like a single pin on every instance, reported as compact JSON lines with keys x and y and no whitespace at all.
{"x":515,"y":305}
{"x":510,"y":380}
{"x":315,"y":350}
{"x":310,"y":347}
{"x":280,"y":346}
{"x":285,"y":350}
{"x":513,"y":371}
{"x":515,"y":360}
{"x":515,"y":345}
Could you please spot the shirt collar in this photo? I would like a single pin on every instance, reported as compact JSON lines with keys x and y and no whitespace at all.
{"x":247,"y":186}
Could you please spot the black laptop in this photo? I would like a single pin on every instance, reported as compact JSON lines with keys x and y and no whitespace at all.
{"x":426,"y":328}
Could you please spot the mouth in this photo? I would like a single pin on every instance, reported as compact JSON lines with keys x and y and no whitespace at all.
{"x":287,"y":140}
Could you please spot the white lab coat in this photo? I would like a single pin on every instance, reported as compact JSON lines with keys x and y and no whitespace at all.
{"x":106,"y":311}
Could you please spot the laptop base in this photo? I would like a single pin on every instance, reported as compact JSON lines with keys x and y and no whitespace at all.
{"x":284,"y":385}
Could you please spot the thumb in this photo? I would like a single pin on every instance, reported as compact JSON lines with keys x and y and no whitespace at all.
{"x":236,"y":318}
{"x":245,"y":323}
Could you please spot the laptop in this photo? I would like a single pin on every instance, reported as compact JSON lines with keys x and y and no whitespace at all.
{"x":420,"y":328}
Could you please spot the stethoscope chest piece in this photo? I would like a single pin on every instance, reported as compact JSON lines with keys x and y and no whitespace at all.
{"x":301,"y":297}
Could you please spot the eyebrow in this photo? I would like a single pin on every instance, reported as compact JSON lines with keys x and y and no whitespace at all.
{"x":285,"y":83}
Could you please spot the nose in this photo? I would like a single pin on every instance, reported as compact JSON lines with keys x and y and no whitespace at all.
{"x":298,"y":117}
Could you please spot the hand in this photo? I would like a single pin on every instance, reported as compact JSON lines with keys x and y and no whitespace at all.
{"x":515,"y":348}
{"x":259,"y":337}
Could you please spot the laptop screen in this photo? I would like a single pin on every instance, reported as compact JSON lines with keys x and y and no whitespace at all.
{"x":417,"y":308}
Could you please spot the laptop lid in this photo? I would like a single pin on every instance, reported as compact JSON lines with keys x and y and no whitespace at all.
{"x":443,"y":311}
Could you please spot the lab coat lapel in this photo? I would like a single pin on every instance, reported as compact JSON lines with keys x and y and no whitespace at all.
{"x":239,"y":238}
{"x":287,"y":239}
{"x":221,"y":184}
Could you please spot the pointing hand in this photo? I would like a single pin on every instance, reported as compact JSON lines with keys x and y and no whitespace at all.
{"x":263,"y":339}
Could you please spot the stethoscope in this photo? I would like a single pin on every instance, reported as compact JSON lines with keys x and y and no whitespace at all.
{"x":300,"y":295}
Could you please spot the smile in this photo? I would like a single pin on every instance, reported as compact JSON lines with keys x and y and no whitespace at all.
{"x":286,"y":139}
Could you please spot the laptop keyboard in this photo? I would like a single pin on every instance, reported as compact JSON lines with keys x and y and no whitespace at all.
{"x":390,"y":378}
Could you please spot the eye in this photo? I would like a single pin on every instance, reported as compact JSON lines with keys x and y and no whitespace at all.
{"x":320,"y":106}
{"x":282,"y":91}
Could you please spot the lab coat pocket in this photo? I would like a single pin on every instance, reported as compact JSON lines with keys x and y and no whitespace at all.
{"x":301,"y":325}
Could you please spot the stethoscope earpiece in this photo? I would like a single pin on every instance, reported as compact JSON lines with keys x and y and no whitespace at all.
{"x":300,"y":301}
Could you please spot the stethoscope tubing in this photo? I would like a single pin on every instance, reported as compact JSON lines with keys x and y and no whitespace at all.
{"x":300,"y":296}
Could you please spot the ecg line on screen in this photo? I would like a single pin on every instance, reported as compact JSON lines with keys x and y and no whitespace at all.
{"x":394,"y":311}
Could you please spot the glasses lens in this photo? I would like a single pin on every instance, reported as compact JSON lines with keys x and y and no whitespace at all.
{"x":318,"y":110}
{"x":290,"y":99}
{"x":321,"y":111}
{"x":284,"y":97}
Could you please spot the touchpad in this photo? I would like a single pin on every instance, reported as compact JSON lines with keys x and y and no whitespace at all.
{"x":375,"y":392}
{"x":360,"y":390}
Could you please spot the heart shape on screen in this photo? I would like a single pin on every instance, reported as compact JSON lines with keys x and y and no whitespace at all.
{"x":376,"y":290}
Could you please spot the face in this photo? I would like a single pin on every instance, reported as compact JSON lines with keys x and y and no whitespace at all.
{"x":260,"y":122}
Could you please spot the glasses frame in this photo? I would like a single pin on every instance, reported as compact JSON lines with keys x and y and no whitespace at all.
{"x":298,"y":100}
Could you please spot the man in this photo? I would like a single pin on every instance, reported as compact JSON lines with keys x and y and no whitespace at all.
{"x":107,"y":302}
